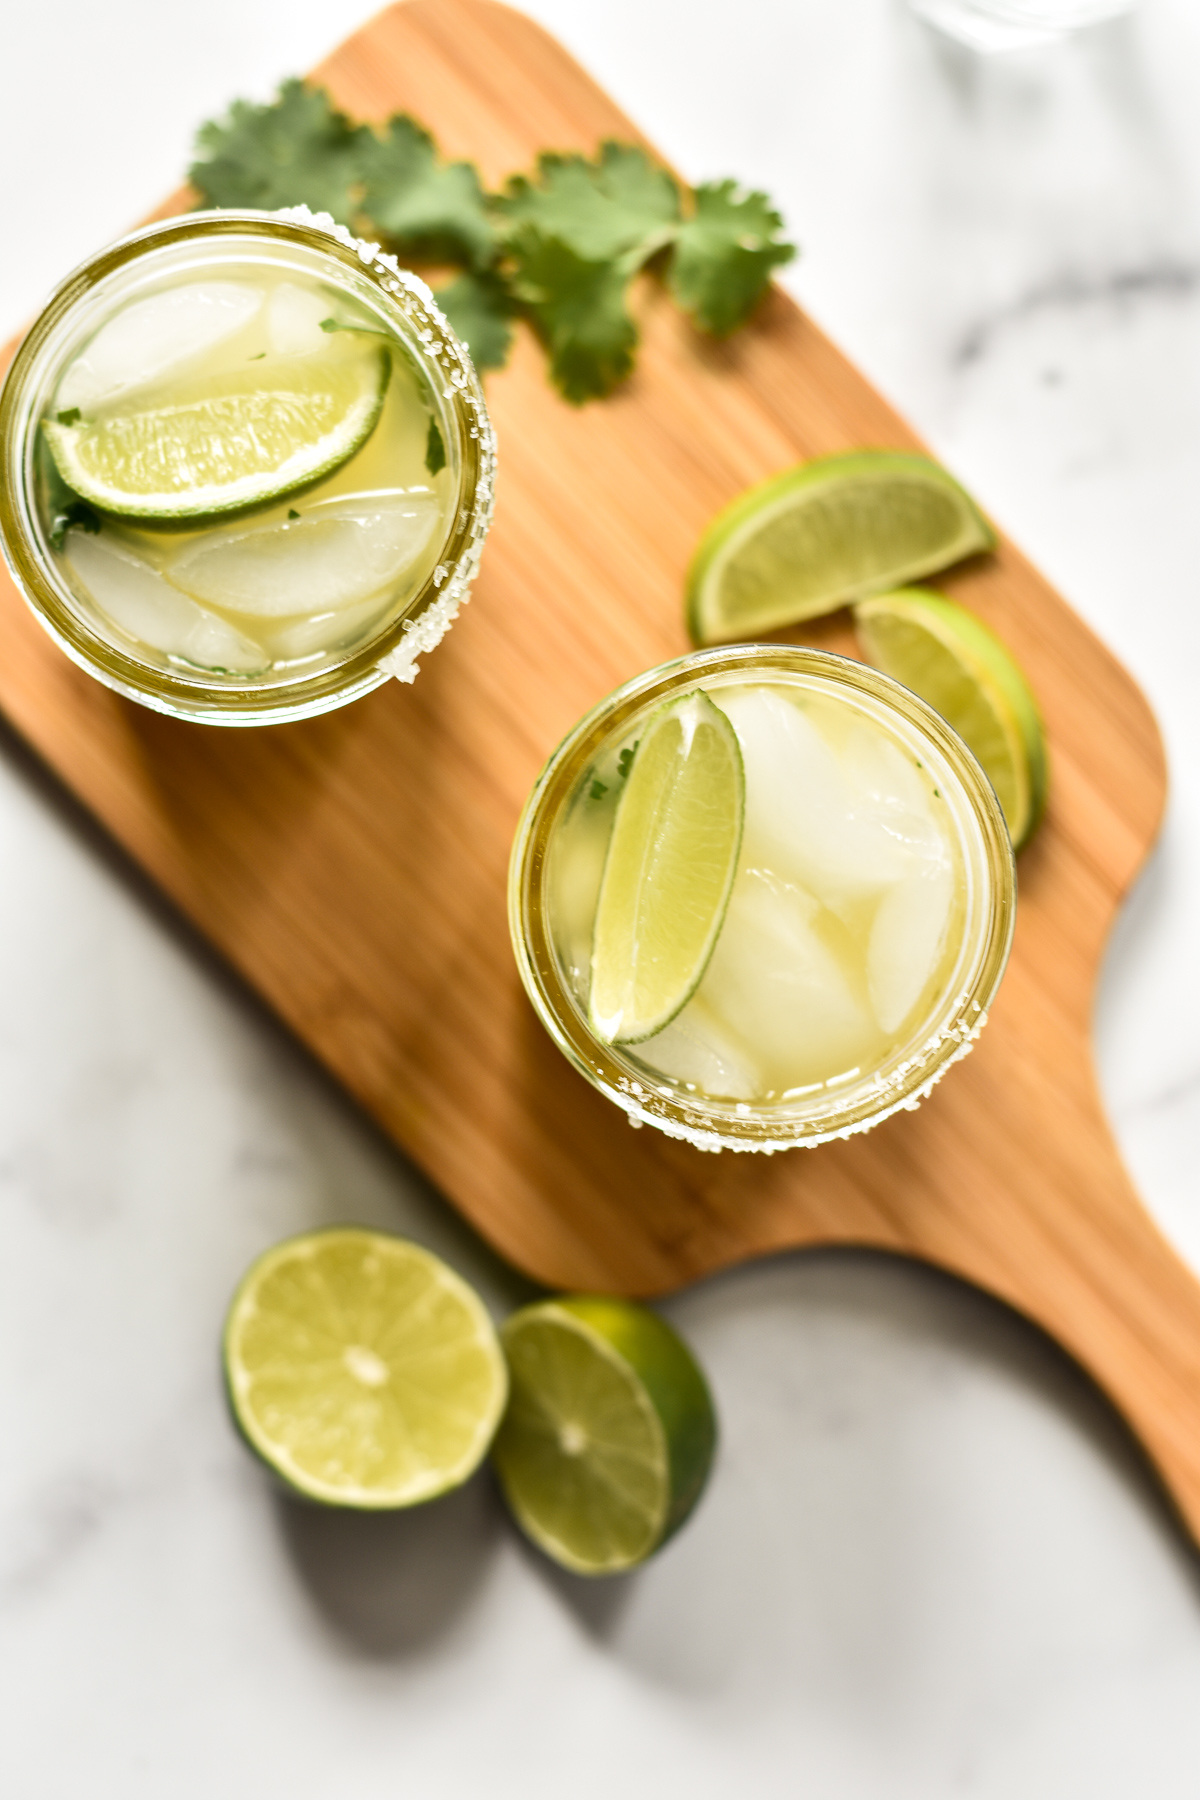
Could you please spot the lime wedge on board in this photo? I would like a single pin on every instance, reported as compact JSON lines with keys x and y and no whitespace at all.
{"x":950,"y":658}
{"x":669,"y":869}
{"x":362,"y":1369}
{"x":243,"y":438}
{"x":609,"y":1433}
{"x":824,"y":533}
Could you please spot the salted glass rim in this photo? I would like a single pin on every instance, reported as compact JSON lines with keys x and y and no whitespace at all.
{"x":426,"y":616}
{"x":943,"y":1037}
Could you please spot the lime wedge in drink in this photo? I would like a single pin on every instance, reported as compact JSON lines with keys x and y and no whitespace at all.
{"x":950,"y":658}
{"x":363,"y":1370}
{"x":215,"y":444}
{"x":669,"y":869}
{"x":824,"y":533}
{"x":609,"y":1433}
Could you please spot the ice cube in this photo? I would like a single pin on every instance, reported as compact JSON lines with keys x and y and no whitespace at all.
{"x":879,"y":771}
{"x":776,"y":984}
{"x":294,"y":316}
{"x":886,"y":785}
{"x":147,"y":609}
{"x":156,"y":338}
{"x":698,"y":1050}
{"x":323,"y":631}
{"x":336,"y":554}
{"x":802,"y":820}
{"x":906,"y":941}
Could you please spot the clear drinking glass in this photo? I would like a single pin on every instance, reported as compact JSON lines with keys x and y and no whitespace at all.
{"x":293,"y":605}
{"x":558,"y":856}
{"x":996,"y":25}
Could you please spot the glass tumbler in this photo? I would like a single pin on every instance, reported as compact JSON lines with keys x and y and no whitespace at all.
{"x":300,"y":601}
{"x":555,"y":875}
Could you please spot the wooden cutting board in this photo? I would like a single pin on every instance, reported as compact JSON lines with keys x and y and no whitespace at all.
{"x":353,"y":867}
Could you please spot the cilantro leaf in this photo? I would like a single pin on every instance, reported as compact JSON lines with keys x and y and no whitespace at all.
{"x":578,"y":308}
{"x":64,"y":507}
{"x":435,"y":449}
{"x":724,"y":255}
{"x":297,"y":151}
{"x":620,"y":204}
{"x":479,"y":307}
{"x":76,"y":512}
{"x":559,"y":247}
{"x":430,"y":209}
{"x":575,"y":237}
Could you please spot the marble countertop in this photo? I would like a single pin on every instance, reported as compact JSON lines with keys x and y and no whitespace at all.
{"x":931,"y":1562}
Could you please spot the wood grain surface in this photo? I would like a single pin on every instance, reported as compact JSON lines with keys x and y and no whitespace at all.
{"x":353,"y":867}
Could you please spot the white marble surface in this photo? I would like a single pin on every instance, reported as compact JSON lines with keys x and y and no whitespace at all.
{"x":930,"y":1563}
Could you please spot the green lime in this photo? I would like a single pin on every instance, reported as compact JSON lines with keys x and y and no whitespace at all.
{"x":950,"y":658}
{"x":669,"y":869}
{"x":362,"y":1369}
{"x":219,"y":443}
{"x":609,"y":1433}
{"x":824,"y":533}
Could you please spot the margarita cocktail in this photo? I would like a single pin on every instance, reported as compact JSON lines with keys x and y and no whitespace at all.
{"x":250,"y":467}
{"x":762,"y":897}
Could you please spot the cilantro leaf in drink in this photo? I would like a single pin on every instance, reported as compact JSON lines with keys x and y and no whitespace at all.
{"x":724,"y":255}
{"x":480,"y":306}
{"x":297,"y":151}
{"x":64,"y":507}
{"x":423,"y":207}
{"x":77,"y":513}
{"x":435,"y":449}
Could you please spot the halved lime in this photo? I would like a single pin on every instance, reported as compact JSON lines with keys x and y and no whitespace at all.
{"x":242,"y":438}
{"x":609,"y":1433}
{"x":950,"y":658}
{"x":824,"y":533}
{"x":669,"y":869}
{"x":363,"y":1370}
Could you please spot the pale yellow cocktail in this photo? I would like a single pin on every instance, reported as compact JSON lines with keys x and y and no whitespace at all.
{"x":867,"y":919}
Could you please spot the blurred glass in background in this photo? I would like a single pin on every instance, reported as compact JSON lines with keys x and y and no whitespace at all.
{"x":994,"y":25}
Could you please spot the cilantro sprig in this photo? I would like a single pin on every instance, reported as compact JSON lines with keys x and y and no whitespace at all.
{"x":298,"y":150}
{"x":560,"y":247}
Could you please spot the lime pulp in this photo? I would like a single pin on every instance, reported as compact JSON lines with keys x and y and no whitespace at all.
{"x":362,"y":1369}
{"x":609,"y":1433}
{"x":668,"y":872}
